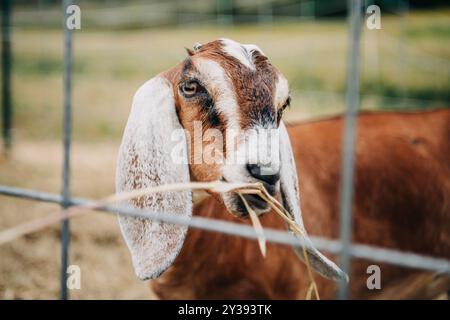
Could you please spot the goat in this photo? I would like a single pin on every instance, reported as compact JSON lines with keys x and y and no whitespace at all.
{"x":402,"y":201}
{"x":226,"y":86}
{"x":223,"y":88}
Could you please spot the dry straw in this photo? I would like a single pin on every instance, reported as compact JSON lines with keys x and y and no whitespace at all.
{"x":217,"y":186}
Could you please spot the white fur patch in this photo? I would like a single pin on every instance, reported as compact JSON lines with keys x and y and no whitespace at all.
{"x":221,"y":85}
{"x":144,"y":160}
{"x":252,"y":48}
{"x":239,"y":51}
{"x":281,"y":91}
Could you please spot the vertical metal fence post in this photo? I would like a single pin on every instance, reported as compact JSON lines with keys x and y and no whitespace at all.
{"x":403,"y":7}
{"x":6,"y":74}
{"x":348,"y":142}
{"x":67,"y":131}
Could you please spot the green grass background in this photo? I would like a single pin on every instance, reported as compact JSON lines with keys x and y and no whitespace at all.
{"x":405,"y":65}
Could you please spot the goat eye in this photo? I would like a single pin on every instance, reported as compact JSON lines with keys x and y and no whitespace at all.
{"x":285,"y":105}
{"x":189,"y":89}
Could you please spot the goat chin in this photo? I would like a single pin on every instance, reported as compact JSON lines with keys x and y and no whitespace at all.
{"x":401,"y":202}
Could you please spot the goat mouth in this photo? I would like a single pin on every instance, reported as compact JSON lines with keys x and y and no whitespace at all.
{"x":271,"y":188}
{"x":255,"y":202}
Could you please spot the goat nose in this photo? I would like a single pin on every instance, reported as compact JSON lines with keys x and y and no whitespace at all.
{"x":266,"y":176}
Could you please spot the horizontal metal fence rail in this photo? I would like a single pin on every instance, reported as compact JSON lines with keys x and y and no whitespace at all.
{"x":373,"y":253}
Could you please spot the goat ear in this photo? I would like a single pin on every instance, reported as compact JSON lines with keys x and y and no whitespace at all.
{"x":291,"y":201}
{"x":145,"y":159}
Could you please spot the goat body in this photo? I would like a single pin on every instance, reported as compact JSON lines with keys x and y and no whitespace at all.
{"x":401,"y":201}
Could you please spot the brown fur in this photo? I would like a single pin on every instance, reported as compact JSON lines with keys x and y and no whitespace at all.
{"x":254,"y":95}
{"x":254,"y":90}
{"x":402,"y":201}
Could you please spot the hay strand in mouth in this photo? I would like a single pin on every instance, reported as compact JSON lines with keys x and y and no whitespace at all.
{"x":293,"y":226}
{"x":37,"y":224}
{"x":256,"y":224}
{"x":309,"y":292}
{"x":313,"y":283}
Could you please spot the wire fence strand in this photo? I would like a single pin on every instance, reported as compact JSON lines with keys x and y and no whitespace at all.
{"x":362,"y":251}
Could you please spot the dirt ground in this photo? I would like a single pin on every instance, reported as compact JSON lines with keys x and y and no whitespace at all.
{"x":29,"y":266}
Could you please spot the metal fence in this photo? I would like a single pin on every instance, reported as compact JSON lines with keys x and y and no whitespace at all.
{"x":343,"y":246}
